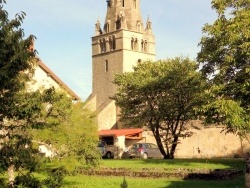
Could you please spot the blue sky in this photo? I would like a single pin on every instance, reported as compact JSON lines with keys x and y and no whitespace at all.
{"x":64,"y":30}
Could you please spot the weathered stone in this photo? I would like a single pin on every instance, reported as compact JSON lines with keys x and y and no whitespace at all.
{"x":159,"y":173}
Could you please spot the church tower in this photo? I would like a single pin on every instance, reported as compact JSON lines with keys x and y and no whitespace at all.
{"x":116,"y":48}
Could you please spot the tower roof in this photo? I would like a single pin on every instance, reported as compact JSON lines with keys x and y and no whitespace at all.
{"x":123,"y":14}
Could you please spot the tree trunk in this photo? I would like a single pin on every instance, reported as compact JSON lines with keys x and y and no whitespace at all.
{"x":158,"y":141}
{"x":11,"y":175}
{"x":174,"y":145}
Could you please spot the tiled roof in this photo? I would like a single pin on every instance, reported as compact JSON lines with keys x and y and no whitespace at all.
{"x":58,"y":80}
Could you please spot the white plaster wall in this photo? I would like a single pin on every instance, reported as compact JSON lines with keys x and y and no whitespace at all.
{"x":119,"y":146}
{"x":47,"y":151}
{"x":41,"y":80}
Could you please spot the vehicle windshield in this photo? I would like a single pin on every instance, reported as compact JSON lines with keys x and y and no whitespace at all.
{"x":101,"y":144}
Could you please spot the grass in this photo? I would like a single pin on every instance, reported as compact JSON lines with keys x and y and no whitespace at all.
{"x":114,"y":182}
{"x":81,"y":181}
{"x":175,"y":164}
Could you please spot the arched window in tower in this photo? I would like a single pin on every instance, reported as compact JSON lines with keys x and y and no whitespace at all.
{"x":99,"y":46}
{"x":103,"y":45}
{"x":145,"y":46}
{"x":110,"y":43}
{"x":114,"y":42}
{"x":123,"y":3}
{"x":107,"y":27}
{"x":135,"y":45}
{"x":142,"y":45}
{"x":132,"y":43}
{"x":134,"y":3}
{"x":118,"y":24}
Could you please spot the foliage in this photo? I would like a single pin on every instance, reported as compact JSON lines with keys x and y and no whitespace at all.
{"x":124,"y":184}
{"x":163,"y":96}
{"x":76,"y":138}
{"x":55,"y":179}
{"x":19,"y":110}
{"x":23,"y":110}
{"x":225,"y":57}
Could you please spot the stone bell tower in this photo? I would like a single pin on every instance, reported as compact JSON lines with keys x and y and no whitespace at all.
{"x":116,"y":48}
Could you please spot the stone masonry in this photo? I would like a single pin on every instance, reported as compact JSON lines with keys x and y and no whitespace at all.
{"x":116,"y":48}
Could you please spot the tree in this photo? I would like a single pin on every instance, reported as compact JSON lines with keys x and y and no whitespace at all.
{"x":225,"y":61}
{"x":17,"y":108}
{"x":163,"y":96}
{"x":76,"y":138}
{"x":21,"y":109}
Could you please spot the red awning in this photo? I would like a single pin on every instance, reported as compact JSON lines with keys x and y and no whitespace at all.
{"x":121,"y":132}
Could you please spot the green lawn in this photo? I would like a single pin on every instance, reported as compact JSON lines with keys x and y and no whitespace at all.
{"x":176,"y":163}
{"x":82,"y":181}
{"x":114,"y":182}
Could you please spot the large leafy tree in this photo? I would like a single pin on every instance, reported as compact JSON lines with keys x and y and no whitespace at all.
{"x":163,"y":96}
{"x":225,"y":61}
{"x":20,"y":110}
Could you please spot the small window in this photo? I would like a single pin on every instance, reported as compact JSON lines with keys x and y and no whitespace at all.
{"x":114,"y":43}
{"x":135,"y":4}
{"x":123,"y":3}
{"x":106,"y":66}
{"x":107,"y":27}
{"x":138,"y":26}
{"x":135,"y":146}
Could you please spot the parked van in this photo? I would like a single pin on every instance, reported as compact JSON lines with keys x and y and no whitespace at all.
{"x":106,"y":150}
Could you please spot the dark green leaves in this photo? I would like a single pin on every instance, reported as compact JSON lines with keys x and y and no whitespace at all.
{"x":163,"y":96}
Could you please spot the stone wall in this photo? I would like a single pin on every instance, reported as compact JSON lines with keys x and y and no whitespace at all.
{"x":207,"y":143}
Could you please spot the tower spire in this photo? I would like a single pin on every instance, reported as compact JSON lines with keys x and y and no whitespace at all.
{"x":148,"y":26}
{"x":123,"y":14}
{"x":98,"y":30}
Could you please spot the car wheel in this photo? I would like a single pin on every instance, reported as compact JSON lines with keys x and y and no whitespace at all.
{"x":145,"y":156}
{"x":108,"y":155}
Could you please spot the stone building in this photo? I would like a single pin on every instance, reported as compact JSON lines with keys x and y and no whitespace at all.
{"x":119,"y":45}
{"x":116,"y":48}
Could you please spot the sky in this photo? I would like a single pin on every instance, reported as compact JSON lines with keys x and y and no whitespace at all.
{"x":63,"y":31}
